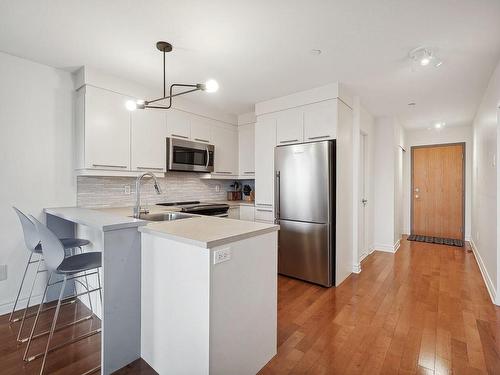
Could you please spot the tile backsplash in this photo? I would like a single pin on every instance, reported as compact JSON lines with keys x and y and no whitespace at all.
{"x":176,"y":186}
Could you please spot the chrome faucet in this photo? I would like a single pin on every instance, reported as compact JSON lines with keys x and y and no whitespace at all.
{"x":137,"y":208}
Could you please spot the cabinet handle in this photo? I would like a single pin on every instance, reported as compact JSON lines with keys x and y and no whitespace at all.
{"x":151,"y":168}
{"x":248,"y":172}
{"x":290,"y":141}
{"x":222,"y":172}
{"x":263,"y":210}
{"x":201,"y":140}
{"x":264,"y":204}
{"x":319,"y":137}
{"x":109,"y":166}
{"x":179,"y":136}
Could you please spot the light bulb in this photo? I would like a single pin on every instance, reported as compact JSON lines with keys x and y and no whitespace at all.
{"x":211,"y":85}
{"x":425,"y":61}
{"x":439,"y":125}
{"x":131,"y":105}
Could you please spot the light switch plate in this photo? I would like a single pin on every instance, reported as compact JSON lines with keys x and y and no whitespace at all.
{"x":222,"y":255}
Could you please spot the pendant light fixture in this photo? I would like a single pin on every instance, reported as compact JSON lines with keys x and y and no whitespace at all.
{"x":209,"y":86}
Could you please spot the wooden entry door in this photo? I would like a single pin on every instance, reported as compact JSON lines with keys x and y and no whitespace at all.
{"x":438,"y":190}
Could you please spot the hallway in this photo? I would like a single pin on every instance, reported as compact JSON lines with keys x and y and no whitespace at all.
{"x":423,"y":310}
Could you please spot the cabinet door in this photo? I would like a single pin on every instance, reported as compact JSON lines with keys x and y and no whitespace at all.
{"x":107,"y":130}
{"x":148,"y":144}
{"x":265,"y":141}
{"x":200,"y":129}
{"x":246,"y":150}
{"x":247,"y":213}
{"x":290,"y":126}
{"x":226,"y":150}
{"x":320,"y":121}
{"x":234,"y":212}
{"x":178,"y":124}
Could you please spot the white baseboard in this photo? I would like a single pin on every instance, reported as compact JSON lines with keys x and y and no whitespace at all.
{"x":6,"y":308}
{"x":397,"y":245}
{"x":484,"y":272}
{"x":384,"y":247}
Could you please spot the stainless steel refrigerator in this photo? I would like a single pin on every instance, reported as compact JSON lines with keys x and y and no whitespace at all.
{"x":305,"y":211}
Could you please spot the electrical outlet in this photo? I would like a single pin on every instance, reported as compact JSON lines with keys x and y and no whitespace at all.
{"x":217,"y":188}
{"x":3,"y":272}
{"x":126,"y":189}
{"x":222,"y":255}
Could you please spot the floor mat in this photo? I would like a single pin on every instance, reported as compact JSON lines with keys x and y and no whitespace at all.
{"x":436,"y":240}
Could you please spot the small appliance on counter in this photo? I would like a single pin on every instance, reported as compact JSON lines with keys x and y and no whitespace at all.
{"x":235,"y":194}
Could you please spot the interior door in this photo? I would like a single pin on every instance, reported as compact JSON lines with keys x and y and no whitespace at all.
{"x":438,"y":190}
{"x":362,"y":201}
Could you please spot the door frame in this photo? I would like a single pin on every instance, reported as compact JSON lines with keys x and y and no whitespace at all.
{"x":463,"y":144}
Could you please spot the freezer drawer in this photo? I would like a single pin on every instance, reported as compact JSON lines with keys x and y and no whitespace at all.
{"x":305,"y":252}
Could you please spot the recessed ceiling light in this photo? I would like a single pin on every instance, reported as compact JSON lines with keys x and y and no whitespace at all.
{"x":315,"y":52}
{"x":424,"y":56}
{"x":439,"y":125}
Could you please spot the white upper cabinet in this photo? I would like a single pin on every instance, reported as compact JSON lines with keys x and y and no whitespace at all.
{"x":320,"y":120}
{"x":200,"y":129}
{"x":226,"y":150}
{"x":290,"y":126}
{"x":148,"y":144}
{"x":265,"y":141}
{"x":105,"y":128}
{"x":246,"y":143}
{"x":178,"y":124}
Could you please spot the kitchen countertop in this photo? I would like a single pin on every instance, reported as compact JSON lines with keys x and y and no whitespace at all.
{"x":207,"y":231}
{"x":102,"y":220}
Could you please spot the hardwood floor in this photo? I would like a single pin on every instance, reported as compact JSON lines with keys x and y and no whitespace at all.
{"x":424,"y":310}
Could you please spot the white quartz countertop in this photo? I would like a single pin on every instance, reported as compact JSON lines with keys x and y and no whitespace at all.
{"x":100,"y":219}
{"x":206,"y":231}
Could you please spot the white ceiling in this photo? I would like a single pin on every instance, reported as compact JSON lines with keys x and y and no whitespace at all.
{"x":258,"y":50}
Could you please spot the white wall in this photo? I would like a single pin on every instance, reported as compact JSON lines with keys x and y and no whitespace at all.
{"x":421,"y":137}
{"x":367,"y":128}
{"x":485,"y":185}
{"x":36,"y":149}
{"x":389,"y":136}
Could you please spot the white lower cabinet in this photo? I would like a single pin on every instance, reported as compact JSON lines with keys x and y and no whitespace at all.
{"x":247,"y":213}
{"x":234,"y":212}
{"x":264,"y":214}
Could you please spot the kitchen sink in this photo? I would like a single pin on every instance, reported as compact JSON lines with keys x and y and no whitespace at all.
{"x":164,"y":216}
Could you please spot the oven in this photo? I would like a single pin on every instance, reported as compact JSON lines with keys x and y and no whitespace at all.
{"x":188,"y":156}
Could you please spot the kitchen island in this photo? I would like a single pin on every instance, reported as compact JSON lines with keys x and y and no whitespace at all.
{"x":197,"y":295}
{"x":209,"y":296}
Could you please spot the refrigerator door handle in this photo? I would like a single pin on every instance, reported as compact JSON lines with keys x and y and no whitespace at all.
{"x":277,"y":197}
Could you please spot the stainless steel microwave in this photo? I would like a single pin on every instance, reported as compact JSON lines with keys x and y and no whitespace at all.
{"x":188,"y":156}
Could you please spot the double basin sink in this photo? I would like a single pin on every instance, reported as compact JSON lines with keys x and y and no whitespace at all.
{"x":164,"y":216}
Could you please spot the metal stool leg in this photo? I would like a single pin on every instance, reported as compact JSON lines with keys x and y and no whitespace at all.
{"x":20,"y":288}
{"x":36,"y":318}
{"x":87,"y":285}
{"x":52,"y":328}
{"x":29,"y":300}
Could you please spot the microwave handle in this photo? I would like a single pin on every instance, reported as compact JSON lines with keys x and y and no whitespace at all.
{"x":208,"y":157}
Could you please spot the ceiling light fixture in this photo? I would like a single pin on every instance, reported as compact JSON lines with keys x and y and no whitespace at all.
{"x":439,"y":125}
{"x":424,"y":56}
{"x":209,"y":86}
